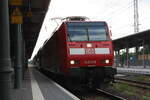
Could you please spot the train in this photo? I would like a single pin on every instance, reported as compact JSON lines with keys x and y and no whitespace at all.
{"x":80,"y":49}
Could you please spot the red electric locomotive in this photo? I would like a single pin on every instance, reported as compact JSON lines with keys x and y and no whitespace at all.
{"x":81,"y":49}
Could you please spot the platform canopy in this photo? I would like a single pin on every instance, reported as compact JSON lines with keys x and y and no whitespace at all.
{"x":34,"y":12}
{"x":137,"y":39}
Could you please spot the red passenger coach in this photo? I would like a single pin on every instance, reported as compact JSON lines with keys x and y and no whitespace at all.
{"x":81,"y":49}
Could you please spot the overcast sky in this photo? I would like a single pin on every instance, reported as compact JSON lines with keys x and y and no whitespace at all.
{"x":117,"y":13}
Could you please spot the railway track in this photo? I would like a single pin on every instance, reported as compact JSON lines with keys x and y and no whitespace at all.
{"x":99,"y":94}
{"x":138,"y":84}
{"x":111,"y":95}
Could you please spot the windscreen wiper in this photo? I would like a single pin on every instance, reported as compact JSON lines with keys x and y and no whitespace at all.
{"x":87,"y":31}
{"x":69,"y":37}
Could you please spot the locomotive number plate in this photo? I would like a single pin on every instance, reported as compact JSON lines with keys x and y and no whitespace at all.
{"x":90,"y":51}
{"x":90,"y":62}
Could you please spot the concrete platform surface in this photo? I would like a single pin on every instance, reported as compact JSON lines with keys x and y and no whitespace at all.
{"x":134,"y":70}
{"x":36,"y":86}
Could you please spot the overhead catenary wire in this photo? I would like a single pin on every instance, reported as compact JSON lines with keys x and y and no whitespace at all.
{"x":117,"y":12}
{"x":113,"y":5}
{"x":122,"y":26}
{"x":145,"y":18}
{"x":120,"y":10}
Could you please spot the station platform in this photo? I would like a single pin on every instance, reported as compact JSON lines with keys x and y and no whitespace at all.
{"x":145,"y":71}
{"x":36,"y":86}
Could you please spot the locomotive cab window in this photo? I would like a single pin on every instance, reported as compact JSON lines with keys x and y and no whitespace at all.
{"x":87,"y":31}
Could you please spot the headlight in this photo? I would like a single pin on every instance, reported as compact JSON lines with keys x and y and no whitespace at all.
{"x":107,"y":61}
{"x":72,"y":62}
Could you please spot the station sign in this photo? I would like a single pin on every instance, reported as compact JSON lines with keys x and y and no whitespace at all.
{"x":16,"y":16}
{"x":16,"y":2}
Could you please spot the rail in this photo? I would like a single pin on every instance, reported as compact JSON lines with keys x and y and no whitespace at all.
{"x":138,"y":84}
{"x":112,"y":96}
